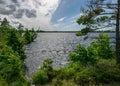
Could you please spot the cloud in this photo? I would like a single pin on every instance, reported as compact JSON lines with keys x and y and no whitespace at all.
{"x":14,"y":1}
{"x":31,"y":13}
{"x":68,"y":23}
{"x":2,"y":1}
{"x":7,"y":10}
{"x":18,"y":13}
{"x":61,"y":19}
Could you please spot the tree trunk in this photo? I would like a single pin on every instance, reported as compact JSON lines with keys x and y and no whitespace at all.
{"x":117,"y":35}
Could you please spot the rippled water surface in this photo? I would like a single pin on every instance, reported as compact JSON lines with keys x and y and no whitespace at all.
{"x":56,"y":46}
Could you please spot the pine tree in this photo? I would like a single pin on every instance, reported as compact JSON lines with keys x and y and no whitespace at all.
{"x":102,"y":14}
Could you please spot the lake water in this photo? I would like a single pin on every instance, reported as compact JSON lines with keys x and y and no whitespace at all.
{"x":56,"y":46}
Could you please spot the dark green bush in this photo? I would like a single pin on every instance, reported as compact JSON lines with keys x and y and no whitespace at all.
{"x":15,"y":41}
{"x":83,"y":77}
{"x":29,"y":36}
{"x":107,"y":71}
{"x":10,"y":64}
{"x":47,"y":65}
{"x":40,"y":77}
{"x":12,"y":56}
{"x":45,"y":74}
{"x":65,"y":73}
{"x":100,"y":49}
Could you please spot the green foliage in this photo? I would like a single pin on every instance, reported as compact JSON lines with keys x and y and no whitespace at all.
{"x":83,"y":77}
{"x":102,"y":19}
{"x":81,"y":55}
{"x":12,"y":56}
{"x":18,"y":83}
{"x":101,"y":47}
{"x":65,"y":73}
{"x":29,"y":36}
{"x":106,"y":71}
{"x":95,"y":17}
{"x":97,"y":11}
{"x":4,"y":24}
{"x":84,"y":31}
{"x":40,"y":77}
{"x":10,"y":64}
{"x":98,"y":49}
{"x":16,"y":43}
{"x":48,"y":68}
{"x":92,"y":65}
{"x":47,"y":65}
{"x":3,"y":82}
{"x":45,"y":73}
{"x":86,"y":19}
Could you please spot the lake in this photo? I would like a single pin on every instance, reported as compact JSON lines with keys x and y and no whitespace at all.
{"x":56,"y":46}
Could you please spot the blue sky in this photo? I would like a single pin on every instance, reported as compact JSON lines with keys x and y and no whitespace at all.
{"x":60,"y":15}
{"x":66,"y":14}
{"x":67,"y":8}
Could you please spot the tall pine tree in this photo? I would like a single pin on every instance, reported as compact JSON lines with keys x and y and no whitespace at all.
{"x":102,"y":14}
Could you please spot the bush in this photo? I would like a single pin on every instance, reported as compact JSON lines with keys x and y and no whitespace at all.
{"x":80,"y":54}
{"x":12,"y":56}
{"x":40,"y":77}
{"x":100,"y":49}
{"x":47,"y":65}
{"x":83,"y":77}
{"x":10,"y":64}
{"x":45,"y":74}
{"x":65,"y":73}
{"x":107,"y":71}
{"x":16,"y":43}
{"x":29,"y":36}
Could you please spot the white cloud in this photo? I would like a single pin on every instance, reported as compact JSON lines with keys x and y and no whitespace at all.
{"x":76,"y":16}
{"x":68,"y":24}
{"x":61,"y":19}
{"x":39,"y":12}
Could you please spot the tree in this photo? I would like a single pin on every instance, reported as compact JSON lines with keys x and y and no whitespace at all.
{"x":16,"y":43}
{"x":102,"y":14}
{"x":20,"y":28}
{"x":5,"y":24}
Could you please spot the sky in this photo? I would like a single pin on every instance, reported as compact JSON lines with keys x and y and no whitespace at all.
{"x":58,"y":15}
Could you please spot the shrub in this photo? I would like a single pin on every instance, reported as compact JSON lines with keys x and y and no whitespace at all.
{"x":40,"y":77}
{"x":16,"y":43}
{"x":83,"y":77}
{"x":10,"y":65}
{"x":65,"y":73}
{"x":100,"y":49}
{"x":104,"y":49}
{"x":80,"y":54}
{"x":29,"y":36}
{"x":107,"y":71}
{"x":47,"y":65}
{"x":45,"y":74}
